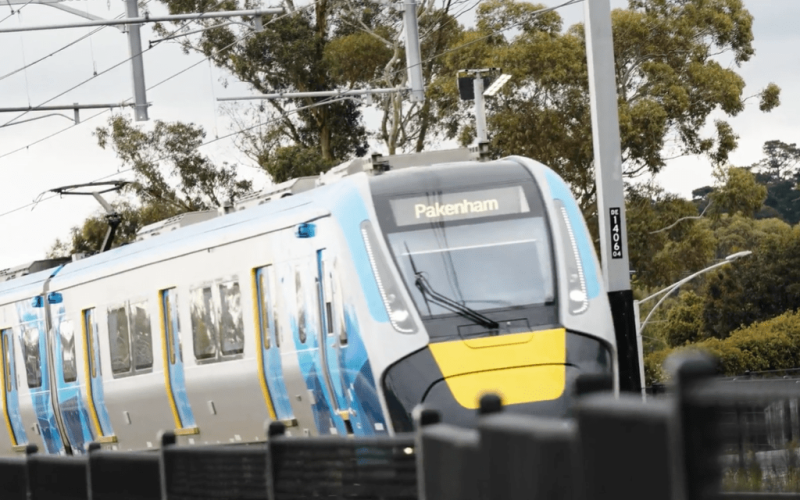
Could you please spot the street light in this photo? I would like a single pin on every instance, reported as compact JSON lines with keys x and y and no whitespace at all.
{"x":667,"y":292}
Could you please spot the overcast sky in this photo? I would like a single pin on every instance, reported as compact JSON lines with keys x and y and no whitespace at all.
{"x":73,"y":156}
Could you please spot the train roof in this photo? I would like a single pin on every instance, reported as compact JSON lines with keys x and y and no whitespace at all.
{"x":272,"y":208}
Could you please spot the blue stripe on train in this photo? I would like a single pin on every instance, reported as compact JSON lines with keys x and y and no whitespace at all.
{"x":350,"y":211}
{"x":32,"y":323}
{"x":12,"y":396}
{"x":74,"y":411}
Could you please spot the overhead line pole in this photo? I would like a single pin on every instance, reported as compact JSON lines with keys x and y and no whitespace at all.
{"x":610,"y":189}
{"x":137,"y":66}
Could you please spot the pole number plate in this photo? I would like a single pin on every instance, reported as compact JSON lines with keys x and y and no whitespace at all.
{"x":616,"y":233}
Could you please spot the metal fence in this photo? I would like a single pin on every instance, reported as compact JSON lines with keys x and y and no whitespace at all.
{"x":705,"y":438}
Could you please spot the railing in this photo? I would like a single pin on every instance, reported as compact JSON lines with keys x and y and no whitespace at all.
{"x":691,"y":443}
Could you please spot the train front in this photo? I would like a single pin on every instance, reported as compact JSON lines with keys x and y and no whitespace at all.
{"x":500,"y":268}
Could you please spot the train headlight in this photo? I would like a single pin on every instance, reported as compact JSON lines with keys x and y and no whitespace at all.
{"x":396,"y":307}
{"x":576,"y":282}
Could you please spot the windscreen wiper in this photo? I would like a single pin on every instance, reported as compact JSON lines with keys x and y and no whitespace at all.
{"x":429,"y":293}
{"x":448,"y":303}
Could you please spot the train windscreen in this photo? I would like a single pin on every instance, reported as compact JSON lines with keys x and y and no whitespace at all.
{"x":472,"y":249}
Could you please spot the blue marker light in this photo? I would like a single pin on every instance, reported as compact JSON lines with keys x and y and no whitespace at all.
{"x":37,"y":301}
{"x":305,"y":230}
{"x":55,"y":298}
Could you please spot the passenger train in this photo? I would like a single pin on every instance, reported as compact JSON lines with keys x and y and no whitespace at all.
{"x":378,"y":286}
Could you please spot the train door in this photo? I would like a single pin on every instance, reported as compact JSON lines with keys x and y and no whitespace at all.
{"x":94,"y":374}
{"x":271,"y":369}
{"x":70,"y":400}
{"x":33,"y":339}
{"x":10,"y":393}
{"x":332,"y":333}
{"x":173,"y":365}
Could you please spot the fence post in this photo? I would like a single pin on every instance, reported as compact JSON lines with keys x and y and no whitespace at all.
{"x":423,"y":417}
{"x":627,"y":449}
{"x":167,"y":439}
{"x":490,"y":403}
{"x":528,"y":458}
{"x":275,"y":430}
{"x":698,"y":426}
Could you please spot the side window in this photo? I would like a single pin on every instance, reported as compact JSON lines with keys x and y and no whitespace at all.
{"x":130,"y":338}
{"x":68,"y":362}
{"x":91,"y":333}
{"x":204,"y":331}
{"x":30,"y":350}
{"x":217,"y":323}
{"x":231,"y":322}
{"x":8,"y":352}
{"x":301,"y":304}
{"x":141,"y":336}
{"x":119,"y":340}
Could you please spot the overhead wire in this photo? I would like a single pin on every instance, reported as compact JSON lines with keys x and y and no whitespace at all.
{"x":96,"y":75}
{"x":325,"y":101}
{"x":61,"y":49}
{"x":41,"y":198}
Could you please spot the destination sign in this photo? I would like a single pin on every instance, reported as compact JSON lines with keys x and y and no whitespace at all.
{"x":459,"y":206}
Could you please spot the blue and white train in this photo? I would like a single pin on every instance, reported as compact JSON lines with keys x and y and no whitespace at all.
{"x":336,"y":310}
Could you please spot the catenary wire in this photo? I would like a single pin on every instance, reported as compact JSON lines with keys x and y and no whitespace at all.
{"x":34,"y":108}
{"x":61,"y":49}
{"x":319,"y":103}
{"x":159,"y":83}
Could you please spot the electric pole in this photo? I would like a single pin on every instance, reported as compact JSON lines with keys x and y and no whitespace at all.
{"x":610,"y":189}
{"x":137,"y":67}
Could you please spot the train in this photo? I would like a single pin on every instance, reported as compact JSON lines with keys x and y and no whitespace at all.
{"x":335,"y":304}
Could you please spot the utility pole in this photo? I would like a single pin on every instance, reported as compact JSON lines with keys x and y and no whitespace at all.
{"x":137,"y":66}
{"x":610,"y":190}
{"x":413,"y":52}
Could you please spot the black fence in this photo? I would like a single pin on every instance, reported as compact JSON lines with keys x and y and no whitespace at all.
{"x":705,"y":438}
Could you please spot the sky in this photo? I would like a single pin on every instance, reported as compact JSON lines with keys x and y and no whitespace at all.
{"x":72,"y":156}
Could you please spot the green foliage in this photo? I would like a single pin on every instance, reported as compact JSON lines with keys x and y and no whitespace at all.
{"x":669,"y":83}
{"x":773,"y":344}
{"x":739,"y":192}
{"x":662,"y":250}
{"x":294,"y":53}
{"x":684,"y":323}
{"x":758,"y":287}
{"x":89,"y":237}
{"x":198,"y":183}
{"x":294,"y":161}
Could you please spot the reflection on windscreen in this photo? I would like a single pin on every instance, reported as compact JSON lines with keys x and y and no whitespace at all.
{"x":482,"y":266}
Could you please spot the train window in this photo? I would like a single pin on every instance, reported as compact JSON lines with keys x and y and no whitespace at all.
{"x":204,"y":330}
{"x":264,"y":304}
{"x":301,"y":305}
{"x":89,"y":328}
{"x":231,"y":322}
{"x":32,"y":355}
{"x":68,"y":362}
{"x":119,"y":340}
{"x":141,"y":336}
{"x":8,"y":353}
